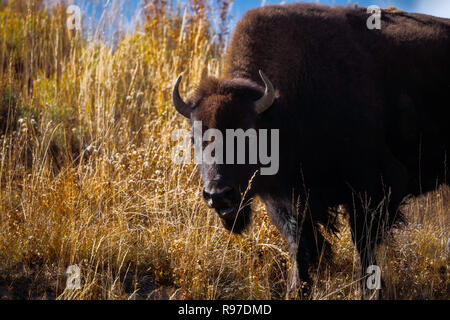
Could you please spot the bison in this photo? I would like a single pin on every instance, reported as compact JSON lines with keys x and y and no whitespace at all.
{"x":361,"y":118}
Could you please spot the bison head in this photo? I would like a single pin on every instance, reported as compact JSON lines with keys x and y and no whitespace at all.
{"x":226,"y":105}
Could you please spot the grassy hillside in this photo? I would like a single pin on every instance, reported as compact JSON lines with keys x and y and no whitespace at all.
{"x":86,"y":176}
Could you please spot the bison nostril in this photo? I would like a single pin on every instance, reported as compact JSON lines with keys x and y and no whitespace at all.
{"x":218,"y":197}
{"x":206,"y":195}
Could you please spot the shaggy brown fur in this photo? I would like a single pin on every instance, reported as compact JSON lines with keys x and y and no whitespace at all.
{"x":361,"y":113}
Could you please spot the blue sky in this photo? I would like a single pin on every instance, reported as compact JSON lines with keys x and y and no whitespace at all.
{"x":434,"y":7}
{"x":128,"y":8}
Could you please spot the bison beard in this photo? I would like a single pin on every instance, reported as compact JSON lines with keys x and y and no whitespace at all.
{"x":241,"y":222}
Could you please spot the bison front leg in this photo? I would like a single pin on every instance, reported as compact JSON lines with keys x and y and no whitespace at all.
{"x":293,"y":281}
{"x":297,"y":239}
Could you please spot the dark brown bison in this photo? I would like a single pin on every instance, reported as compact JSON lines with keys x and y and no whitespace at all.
{"x":361,"y":113}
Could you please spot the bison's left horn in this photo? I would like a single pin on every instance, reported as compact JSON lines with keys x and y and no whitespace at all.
{"x":179,"y":104}
{"x":267,"y":100}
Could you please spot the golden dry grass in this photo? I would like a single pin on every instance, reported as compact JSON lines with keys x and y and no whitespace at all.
{"x":87,"y":178}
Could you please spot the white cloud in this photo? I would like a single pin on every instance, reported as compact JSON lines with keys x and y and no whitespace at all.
{"x":439,"y":8}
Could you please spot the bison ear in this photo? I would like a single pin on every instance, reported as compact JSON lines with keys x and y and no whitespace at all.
{"x":267,"y":100}
{"x":178,"y":103}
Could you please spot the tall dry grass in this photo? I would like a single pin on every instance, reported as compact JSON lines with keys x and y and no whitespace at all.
{"x":87,"y":178}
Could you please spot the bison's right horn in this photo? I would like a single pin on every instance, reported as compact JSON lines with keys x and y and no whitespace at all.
{"x":266,"y":101}
{"x":179,"y":104}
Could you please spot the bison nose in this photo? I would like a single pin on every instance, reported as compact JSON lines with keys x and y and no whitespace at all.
{"x":217,"y":196}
